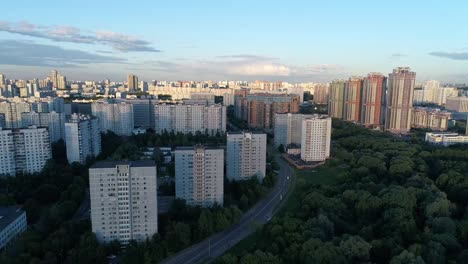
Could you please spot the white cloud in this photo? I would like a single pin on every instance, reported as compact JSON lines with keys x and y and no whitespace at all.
{"x":118,"y":41}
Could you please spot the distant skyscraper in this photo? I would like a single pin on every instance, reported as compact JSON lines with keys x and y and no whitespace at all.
{"x":353,"y":91}
{"x":124,"y":204}
{"x":246,"y":155}
{"x":336,"y":99}
{"x":2,"y":80}
{"x":54,"y":78}
{"x":199,"y":175}
{"x":400,"y":100}
{"x":373,"y":100}
{"x":61,"y":82}
{"x":82,"y":138}
{"x":24,"y":150}
{"x":115,"y":117}
{"x":316,"y":138}
{"x":132,"y":82}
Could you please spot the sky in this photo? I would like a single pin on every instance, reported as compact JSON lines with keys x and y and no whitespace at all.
{"x":294,"y":41}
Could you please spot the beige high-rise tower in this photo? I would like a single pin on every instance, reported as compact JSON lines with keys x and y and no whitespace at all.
{"x":400,"y":100}
{"x":132,"y":82}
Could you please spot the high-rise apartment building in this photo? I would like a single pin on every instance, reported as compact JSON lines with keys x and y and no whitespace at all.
{"x":240,"y":103}
{"x":353,"y":91}
{"x":400,"y":100}
{"x":82,"y":138}
{"x":430,"y":118}
{"x":459,"y":104}
{"x":115,"y":117}
{"x":124,"y":201}
{"x":316,"y":138}
{"x":24,"y":150}
{"x":55,"y":123}
{"x":246,"y":155}
{"x":13,"y":111}
{"x":2,"y":80}
{"x":321,"y":93}
{"x":191,"y":118}
{"x":132,"y":82}
{"x":261,"y":108}
{"x":199,"y":175}
{"x":143,"y":111}
{"x":373,"y":100}
{"x":336,"y":98}
{"x":288,"y":129}
{"x":54,"y":78}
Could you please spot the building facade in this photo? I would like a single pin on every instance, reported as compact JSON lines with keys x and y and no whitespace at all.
{"x":82,"y":138}
{"x":288,"y":129}
{"x":373,"y":100}
{"x":246,"y":155}
{"x":55,"y":123}
{"x":430,"y":118}
{"x":316,"y":138}
{"x":24,"y":150}
{"x":353,"y":91}
{"x":199,"y":175}
{"x":400,"y":100}
{"x":124,"y":201}
{"x":459,"y":104}
{"x":262,"y":107}
{"x":336,"y":99}
{"x":115,"y":117}
{"x":321,"y":93}
{"x":190,"y":118}
{"x":12,"y":223}
{"x":445,"y":138}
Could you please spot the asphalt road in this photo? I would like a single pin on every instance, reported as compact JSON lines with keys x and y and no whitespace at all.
{"x":261,"y":213}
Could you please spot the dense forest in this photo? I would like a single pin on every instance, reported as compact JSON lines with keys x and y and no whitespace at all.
{"x":394,"y":200}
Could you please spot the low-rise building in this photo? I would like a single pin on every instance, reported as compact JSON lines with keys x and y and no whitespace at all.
{"x":12,"y":223}
{"x":446,"y":138}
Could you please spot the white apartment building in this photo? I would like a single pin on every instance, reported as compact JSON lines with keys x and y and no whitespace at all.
{"x":445,"y":138}
{"x":55,"y":123}
{"x":316,"y":138}
{"x":12,"y":223}
{"x":288,"y":129}
{"x":190,"y":118}
{"x":246,"y":155}
{"x":24,"y":150}
{"x":115,"y":117}
{"x":82,"y":138}
{"x":124,"y":201}
{"x":13,"y":111}
{"x":199,"y":175}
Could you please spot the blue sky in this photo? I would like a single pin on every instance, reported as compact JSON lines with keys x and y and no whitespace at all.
{"x":245,"y":40}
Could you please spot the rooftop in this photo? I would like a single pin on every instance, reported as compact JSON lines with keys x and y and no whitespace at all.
{"x":113,"y":164}
{"x":9,"y":214}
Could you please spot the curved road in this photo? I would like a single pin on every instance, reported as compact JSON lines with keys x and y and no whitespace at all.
{"x":217,"y":244}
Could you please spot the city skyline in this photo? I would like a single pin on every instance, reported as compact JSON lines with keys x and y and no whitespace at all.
{"x":295,"y":42}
